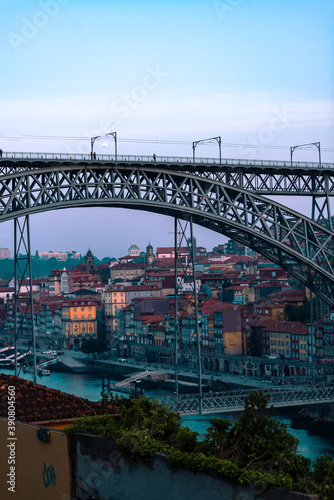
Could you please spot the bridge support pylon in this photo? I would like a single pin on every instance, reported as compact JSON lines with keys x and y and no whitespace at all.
{"x":186,"y":303}
{"x":23,"y":313}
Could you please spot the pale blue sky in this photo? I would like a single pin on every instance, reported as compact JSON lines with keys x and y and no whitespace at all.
{"x":165,"y":71}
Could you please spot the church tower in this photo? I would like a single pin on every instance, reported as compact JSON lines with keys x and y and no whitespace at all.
{"x":149,"y":254}
{"x":89,"y":257}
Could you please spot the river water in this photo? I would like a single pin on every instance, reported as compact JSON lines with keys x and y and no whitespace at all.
{"x":90,"y":386}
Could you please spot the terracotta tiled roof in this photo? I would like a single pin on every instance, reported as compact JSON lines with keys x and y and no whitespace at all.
{"x":172,"y":250}
{"x":37,"y":403}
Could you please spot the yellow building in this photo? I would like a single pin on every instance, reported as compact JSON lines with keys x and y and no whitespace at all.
{"x":79,"y":319}
{"x":280,"y":343}
{"x":268,"y":312}
{"x":289,"y":340}
{"x":115,"y":300}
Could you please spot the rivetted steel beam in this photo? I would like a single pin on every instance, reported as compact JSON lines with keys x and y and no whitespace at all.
{"x":261,"y":177}
{"x":291,"y":240}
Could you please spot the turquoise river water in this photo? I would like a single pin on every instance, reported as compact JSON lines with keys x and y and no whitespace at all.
{"x":90,"y":386}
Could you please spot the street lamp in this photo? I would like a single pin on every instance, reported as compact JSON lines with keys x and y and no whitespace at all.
{"x":93,"y":139}
{"x":209,"y":141}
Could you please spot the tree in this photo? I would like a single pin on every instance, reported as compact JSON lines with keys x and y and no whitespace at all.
{"x":257,"y":440}
{"x":299,"y":313}
{"x":255,"y":450}
{"x":94,"y":346}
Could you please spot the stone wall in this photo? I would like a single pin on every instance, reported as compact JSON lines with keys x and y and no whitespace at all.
{"x":99,"y":471}
{"x":317,"y":418}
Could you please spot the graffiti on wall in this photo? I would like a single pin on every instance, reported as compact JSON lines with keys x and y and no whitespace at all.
{"x":49,"y":476}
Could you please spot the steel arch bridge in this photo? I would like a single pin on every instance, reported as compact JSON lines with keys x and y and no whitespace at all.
{"x":215,"y":198}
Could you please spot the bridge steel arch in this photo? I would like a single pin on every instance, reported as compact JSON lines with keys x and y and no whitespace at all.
{"x":303,"y":247}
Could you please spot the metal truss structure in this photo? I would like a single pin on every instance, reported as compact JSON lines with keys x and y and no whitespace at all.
{"x":24,"y":317}
{"x":287,"y":238}
{"x":210,"y":196}
{"x":231,"y":401}
{"x":185,"y":305}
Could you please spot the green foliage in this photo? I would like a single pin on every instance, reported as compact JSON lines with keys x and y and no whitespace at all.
{"x":7,"y":269}
{"x":94,"y":346}
{"x":255,"y":450}
{"x":42,"y":268}
{"x":98,"y":425}
{"x":298,"y":313}
{"x":185,"y":440}
{"x":322,"y":478}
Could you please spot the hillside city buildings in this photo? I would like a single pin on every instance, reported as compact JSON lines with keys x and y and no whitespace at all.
{"x":247,"y":309}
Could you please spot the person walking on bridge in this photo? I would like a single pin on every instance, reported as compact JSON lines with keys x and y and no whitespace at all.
{"x":1,"y":153}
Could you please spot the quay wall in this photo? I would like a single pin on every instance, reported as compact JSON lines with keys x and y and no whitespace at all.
{"x":100,"y":471}
{"x":316,"y":418}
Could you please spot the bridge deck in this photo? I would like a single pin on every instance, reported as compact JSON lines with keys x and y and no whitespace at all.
{"x":164,"y":160}
{"x":231,"y":401}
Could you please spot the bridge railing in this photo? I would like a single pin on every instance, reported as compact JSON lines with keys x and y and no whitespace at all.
{"x":159,"y":159}
{"x":230,"y":401}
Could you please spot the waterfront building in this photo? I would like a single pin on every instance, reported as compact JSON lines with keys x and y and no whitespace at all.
{"x":288,"y":339}
{"x":79,"y":320}
{"x":229,"y":330}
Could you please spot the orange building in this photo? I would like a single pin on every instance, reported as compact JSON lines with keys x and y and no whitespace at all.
{"x":79,"y":319}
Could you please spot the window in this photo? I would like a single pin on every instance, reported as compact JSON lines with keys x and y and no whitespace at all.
{"x":75,"y":317}
{"x":75,"y":309}
{"x":82,"y":309}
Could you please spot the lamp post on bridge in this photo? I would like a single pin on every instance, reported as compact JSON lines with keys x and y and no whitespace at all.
{"x":93,"y":139}
{"x":208,"y":141}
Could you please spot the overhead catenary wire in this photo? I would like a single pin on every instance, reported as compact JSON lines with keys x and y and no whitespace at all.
{"x":150,"y":141}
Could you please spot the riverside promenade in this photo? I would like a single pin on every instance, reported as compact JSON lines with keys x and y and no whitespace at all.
{"x":119,"y":370}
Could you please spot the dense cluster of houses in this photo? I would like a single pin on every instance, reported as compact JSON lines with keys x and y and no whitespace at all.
{"x":243,"y":307}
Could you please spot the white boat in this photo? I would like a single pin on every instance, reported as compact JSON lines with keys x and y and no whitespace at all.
{"x":43,"y":372}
